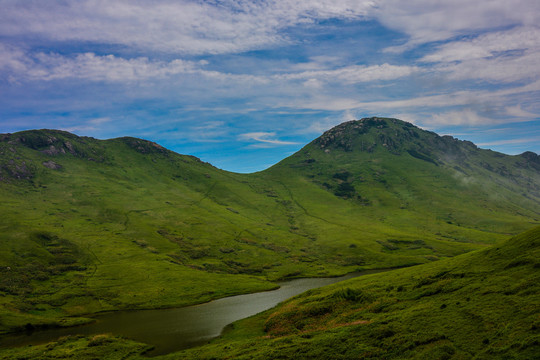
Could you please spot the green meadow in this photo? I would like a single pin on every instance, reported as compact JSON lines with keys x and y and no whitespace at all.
{"x":90,"y":225}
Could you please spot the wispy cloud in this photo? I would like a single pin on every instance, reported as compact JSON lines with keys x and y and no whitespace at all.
{"x":353,"y":74}
{"x":462,"y":117}
{"x":486,"y":45}
{"x":425,"y":21}
{"x":533,"y":140}
{"x":100,"y":120}
{"x":47,"y":67}
{"x":89,"y":66}
{"x":264,"y":137}
{"x":188,"y":27}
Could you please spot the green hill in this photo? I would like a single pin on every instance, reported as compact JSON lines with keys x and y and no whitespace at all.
{"x":407,"y":178}
{"x":481,"y":305}
{"x":94,"y":225}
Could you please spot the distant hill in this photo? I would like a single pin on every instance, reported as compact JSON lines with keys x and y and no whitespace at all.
{"x":93,"y":225}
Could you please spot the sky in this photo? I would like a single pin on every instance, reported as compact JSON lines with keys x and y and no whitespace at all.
{"x":243,"y":84}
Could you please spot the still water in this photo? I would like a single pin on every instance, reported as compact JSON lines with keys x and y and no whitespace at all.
{"x":170,"y":330}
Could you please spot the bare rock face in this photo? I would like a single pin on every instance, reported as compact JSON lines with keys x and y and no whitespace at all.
{"x":15,"y":169}
{"x":52,"y":150}
{"x":52,"y":165}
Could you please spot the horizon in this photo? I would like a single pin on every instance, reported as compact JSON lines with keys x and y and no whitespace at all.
{"x":244,"y":84}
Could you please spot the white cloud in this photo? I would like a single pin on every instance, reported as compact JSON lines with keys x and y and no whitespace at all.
{"x":313,"y":84}
{"x":264,"y":137}
{"x":11,"y":58}
{"x":517,"y":111}
{"x":100,"y":120}
{"x":87,"y":66}
{"x":502,"y":56}
{"x":108,"y":68}
{"x":333,"y":103}
{"x":189,"y":27}
{"x":210,"y":125}
{"x":461,"y":117}
{"x":500,"y":69}
{"x":534,"y":140}
{"x":209,"y":131}
{"x":427,"y":21}
{"x":354,"y":73}
{"x":320,"y":126}
{"x":111,"y":68}
{"x":487,"y":45}
{"x":214,"y":27}
{"x":89,"y":126}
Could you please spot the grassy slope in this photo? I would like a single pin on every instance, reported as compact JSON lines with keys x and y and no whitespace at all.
{"x":100,"y":235}
{"x":481,"y":305}
{"x":125,"y":223}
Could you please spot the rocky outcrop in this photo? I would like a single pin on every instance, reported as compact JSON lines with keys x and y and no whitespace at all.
{"x":52,"y":165}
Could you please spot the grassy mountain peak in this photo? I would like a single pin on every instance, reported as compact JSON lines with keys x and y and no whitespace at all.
{"x":395,"y":135}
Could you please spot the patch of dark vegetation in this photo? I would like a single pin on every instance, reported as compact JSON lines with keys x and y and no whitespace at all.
{"x":345,"y":190}
{"x":191,"y":250}
{"x":388,"y":246}
{"x":276,"y":248}
{"x":383,"y":332}
{"x":58,"y":256}
{"x":238,"y":267}
{"x":410,"y":244}
{"x":401,"y":244}
{"x":380,"y":306}
{"x":297,"y":320}
{"x":100,"y":340}
{"x":178,"y":259}
{"x":457,"y":168}
{"x":342,"y":175}
{"x":429,"y":292}
{"x":421,"y":156}
{"x":518,"y":262}
{"x":144,"y":146}
{"x":355,"y":295}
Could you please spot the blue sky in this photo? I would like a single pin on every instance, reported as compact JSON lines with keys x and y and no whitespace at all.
{"x":243,"y":84}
